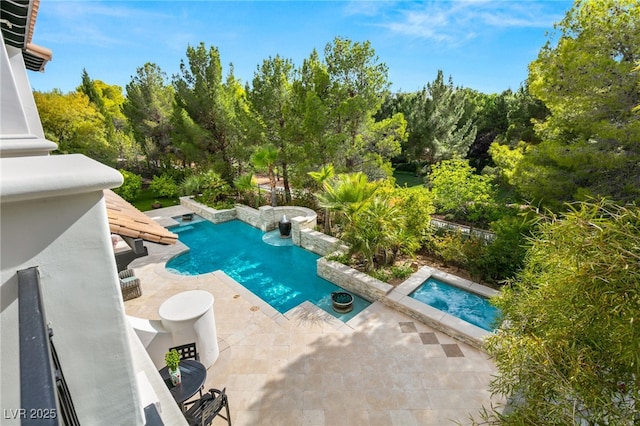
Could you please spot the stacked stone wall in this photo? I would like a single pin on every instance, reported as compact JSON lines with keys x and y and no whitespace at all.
{"x":352,"y":280}
{"x":211,"y":214}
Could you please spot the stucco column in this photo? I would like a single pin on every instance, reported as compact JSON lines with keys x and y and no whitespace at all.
{"x":189,"y":317}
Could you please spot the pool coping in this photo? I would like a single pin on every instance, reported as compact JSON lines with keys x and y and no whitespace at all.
{"x":303,"y":311}
{"x":400,"y":299}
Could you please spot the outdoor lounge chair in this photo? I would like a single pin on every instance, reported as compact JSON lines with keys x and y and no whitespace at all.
{"x":207,"y":408}
{"x":129,"y":284}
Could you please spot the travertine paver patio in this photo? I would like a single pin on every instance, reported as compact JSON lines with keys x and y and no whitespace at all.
{"x":303,"y":368}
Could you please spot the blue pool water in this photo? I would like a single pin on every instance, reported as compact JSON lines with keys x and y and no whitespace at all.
{"x":467,"y":306}
{"x":281,"y":274}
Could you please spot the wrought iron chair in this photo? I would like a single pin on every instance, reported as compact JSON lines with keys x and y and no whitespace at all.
{"x":188,"y":351}
{"x":129,"y":285}
{"x":208,"y":407}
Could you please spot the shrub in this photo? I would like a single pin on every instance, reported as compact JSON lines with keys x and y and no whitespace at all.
{"x":459,"y":192}
{"x":380,"y":274}
{"x":131,"y":187}
{"x":217,"y":196}
{"x":417,"y":206}
{"x":507,"y":252}
{"x":304,"y":198}
{"x":164,"y":186}
{"x":248,"y":190}
{"x":401,"y":271}
{"x":450,"y":248}
{"x":477,"y":261}
{"x":490,"y":261}
{"x":199,"y":182}
{"x":343,"y":258}
{"x":194,"y":184}
{"x":210,"y":189}
{"x":569,"y":354}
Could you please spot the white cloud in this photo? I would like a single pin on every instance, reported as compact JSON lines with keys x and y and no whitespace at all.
{"x":454,"y":22}
{"x":94,"y":23}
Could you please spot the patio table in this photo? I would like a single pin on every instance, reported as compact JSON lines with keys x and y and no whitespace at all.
{"x":189,"y":317}
{"x":193,"y":376}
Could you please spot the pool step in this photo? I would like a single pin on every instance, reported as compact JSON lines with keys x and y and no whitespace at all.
{"x":181,"y":229}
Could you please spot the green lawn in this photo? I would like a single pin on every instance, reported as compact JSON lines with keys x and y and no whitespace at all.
{"x":147,"y":197}
{"x":408,"y":178}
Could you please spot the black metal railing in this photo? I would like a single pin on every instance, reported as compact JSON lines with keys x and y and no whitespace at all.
{"x":44,"y":395}
{"x":67,"y":410}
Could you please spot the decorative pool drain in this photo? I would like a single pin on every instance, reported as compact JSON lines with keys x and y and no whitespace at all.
{"x":342,"y":301}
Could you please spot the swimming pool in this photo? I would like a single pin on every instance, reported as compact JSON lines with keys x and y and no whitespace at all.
{"x":465,"y":305}
{"x":281,"y":274}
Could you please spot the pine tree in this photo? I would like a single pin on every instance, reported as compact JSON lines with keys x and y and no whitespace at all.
{"x":437,"y":128}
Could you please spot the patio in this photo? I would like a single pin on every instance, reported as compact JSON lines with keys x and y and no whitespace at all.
{"x":305,"y":367}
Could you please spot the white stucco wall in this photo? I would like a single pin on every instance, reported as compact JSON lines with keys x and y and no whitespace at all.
{"x":21,"y":132}
{"x":53,"y":216}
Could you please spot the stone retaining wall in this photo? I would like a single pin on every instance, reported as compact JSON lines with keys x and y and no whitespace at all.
{"x":266,"y":218}
{"x":351,"y":280}
{"x":248,"y":215}
{"x":211,"y":214}
{"x":318,"y":242}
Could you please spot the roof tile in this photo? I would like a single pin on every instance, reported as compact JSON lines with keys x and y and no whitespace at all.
{"x":126,"y":220}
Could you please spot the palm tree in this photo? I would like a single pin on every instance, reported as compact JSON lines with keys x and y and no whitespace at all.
{"x":265,"y":158}
{"x":247,"y":184}
{"x":378,"y":233}
{"x":321,"y":177}
{"x":346,"y":194}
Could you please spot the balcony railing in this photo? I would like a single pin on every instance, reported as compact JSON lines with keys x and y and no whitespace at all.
{"x":44,"y":395}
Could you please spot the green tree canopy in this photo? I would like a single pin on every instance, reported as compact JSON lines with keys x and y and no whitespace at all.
{"x":569,"y":350}
{"x":458,"y":191}
{"x":75,"y":124}
{"x":334,"y":103}
{"x":209,"y":109}
{"x":310,"y":113}
{"x":356,"y":88}
{"x":271,"y":97}
{"x":437,"y":127}
{"x":588,"y":83}
{"x":148,"y":108}
{"x":109,"y":100}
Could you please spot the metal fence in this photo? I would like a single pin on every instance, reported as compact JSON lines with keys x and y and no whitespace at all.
{"x":487,"y":236}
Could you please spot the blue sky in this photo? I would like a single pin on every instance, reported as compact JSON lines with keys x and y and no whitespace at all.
{"x":484,"y":45}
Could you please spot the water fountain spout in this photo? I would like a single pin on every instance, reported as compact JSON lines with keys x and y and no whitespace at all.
{"x":285,"y":227}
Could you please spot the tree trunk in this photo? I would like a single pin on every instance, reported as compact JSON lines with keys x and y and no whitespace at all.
{"x":327,"y":221}
{"x":285,"y":181}
{"x":272,"y":183}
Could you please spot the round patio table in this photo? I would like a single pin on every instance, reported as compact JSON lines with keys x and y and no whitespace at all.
{"x":189,"y":317}
{"x":193,"y":376}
